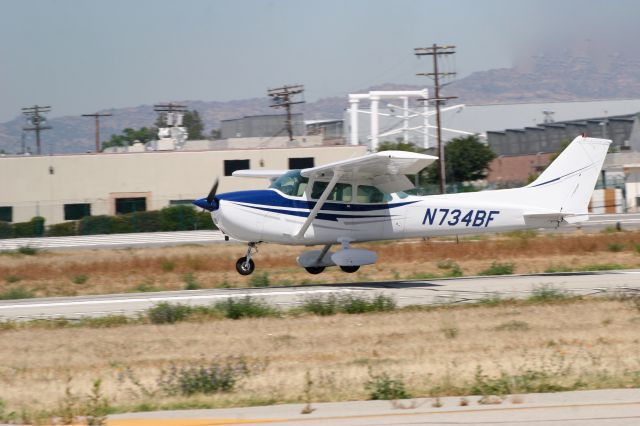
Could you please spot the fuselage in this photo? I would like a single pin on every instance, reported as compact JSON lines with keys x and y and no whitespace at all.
{"x":270,"y":216}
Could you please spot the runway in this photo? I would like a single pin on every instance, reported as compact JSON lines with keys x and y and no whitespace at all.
{"x":620,"y":407}
{"x":414,"y":292}
{"x":628,"y":221}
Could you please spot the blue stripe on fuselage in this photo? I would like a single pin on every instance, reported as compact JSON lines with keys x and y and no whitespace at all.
{"x":323,"y":216}
{"x":270,"y":198}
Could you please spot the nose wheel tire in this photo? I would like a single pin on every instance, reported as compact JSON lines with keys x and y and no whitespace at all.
{"x":243,"y":267}
{"x":350,"y":269}
{"x":315,"y":269}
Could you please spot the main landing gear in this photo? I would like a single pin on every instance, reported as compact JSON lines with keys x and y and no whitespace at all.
{"x":245,"y":265}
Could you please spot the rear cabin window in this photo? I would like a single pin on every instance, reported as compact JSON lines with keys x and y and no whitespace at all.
{"x":291,"y":183}
{"x":341,"y":192}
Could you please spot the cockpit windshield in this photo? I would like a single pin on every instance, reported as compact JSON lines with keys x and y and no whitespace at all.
{"x":291,"y":183}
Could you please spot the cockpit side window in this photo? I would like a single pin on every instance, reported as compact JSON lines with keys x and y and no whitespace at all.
{"x":341,"y":192}
{"x":291,"y":183}
{"x":371,"y":194}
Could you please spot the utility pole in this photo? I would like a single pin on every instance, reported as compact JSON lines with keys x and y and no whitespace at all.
{"x":435,"y":51}
{"x":174,"y":113}
{"x":97,"y":117}
{"x":281,"y":98}
{"x":36,"y":120}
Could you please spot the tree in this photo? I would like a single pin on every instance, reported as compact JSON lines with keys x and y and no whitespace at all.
{"x":129,"y":136}
{"x":193,"y":123}
{"x":466,"y":159}
{"x":399,"y":146}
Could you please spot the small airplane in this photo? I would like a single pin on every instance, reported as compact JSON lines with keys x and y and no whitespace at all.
{"x":362,"y":199}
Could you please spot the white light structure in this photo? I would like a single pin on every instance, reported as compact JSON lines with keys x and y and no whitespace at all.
{"x":374,"y":98}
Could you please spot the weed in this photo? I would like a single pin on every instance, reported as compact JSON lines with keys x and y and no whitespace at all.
{"x":16,"y":293}
{"x":513,"y":325}
{"x":382,"y":386}
{"x":190,"y":282}
{"x":259,"y":280}
{"x":547,"y":293}
{"x":167,"y":313}
{"x":168,"y":266}
{"x":145,"y":287}
{"x":79,"y":279}
{"x":308,"y":387}
{"x":493,"y":299}
{"x":214,"y":377}
{"x":437,"y":403}
{"x":348,"y":304}
{"x":236,"y":308}
{"x":422,"y":276}
{"x":450,"y":330}
{"x":615,"y":247}
{"x":555,"y":269}
{"x":522,"y":235}
{"x":452,"y":267}
{"x":463,"y":402}
{"x":105,"y":322}
{"x":97,"y":406}
{"x":602,"y":267}
{"x":12,"y":279}
{"x":498,"y":268}
{"x":28,"y":250}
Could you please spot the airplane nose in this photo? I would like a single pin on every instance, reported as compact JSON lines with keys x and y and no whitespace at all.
{"x":209,"y":206}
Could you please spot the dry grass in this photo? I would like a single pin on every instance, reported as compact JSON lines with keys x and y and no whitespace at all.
{"x":582,"y":344}
{"x":111,"y":271}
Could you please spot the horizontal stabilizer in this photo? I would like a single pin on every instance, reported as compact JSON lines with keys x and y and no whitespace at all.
{"x":553,"y":220}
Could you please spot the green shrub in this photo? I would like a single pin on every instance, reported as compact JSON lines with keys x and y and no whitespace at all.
{"x":546,"y":293}
{"x":179,"y":218}
{"x":28,"y":250}
{"x":13,"y":278}
{"x":259,"y":280}
{"x":615,"y":247}
{"x":16,"y":293}
{"x":236,"y":308}
{"x":452,"y":267}
{"x":382,"y":386}
{"x":498,"y":268}
{"x":33,"y":228}
{"x":145,"y":288}
{"x":636,"y":247}
{"x":190,"y":282}
{"x":92,"y":225}
{"x":149,"y":221}
{"x":105,"y":321}
{"x":559,"y":268}
{"x":215,"y":377}
{"x":348,"y":304}
{"x":79,"y":279}
{"x":64,"y":229}
{"x":6,"y":230}
{"x":168,"y":313}
{"x":203,"y":221}
{"x":168,"y":266}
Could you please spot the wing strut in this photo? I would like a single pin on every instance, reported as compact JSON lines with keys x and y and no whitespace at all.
{"x":323,"y":198}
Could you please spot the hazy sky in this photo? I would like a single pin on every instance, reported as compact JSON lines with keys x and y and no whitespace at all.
{"x":81,"y":56}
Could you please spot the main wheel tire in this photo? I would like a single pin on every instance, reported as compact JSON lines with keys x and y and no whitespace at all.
{"x":314,"y":269}
{"x":242,"y":268}
{"x":350,"y":269}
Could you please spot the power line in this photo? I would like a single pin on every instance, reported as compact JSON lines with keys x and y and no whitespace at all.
{"x":36,"y":120}
{"x":281,"y":97}
{"x":435,"y":51}
{"x":97,"y":117}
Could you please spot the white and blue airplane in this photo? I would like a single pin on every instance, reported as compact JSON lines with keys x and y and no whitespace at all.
{"x":361,"y":199}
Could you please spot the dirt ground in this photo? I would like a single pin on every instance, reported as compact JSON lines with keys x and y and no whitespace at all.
{"x":60,"y":273}
{"x":578,"y":344}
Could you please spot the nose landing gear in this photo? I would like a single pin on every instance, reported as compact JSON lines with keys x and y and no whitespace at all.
{"x":245,"y":265}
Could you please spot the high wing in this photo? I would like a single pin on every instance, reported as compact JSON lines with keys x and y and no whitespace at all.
{"x":385,"y":170}
{"x":260,"y":173}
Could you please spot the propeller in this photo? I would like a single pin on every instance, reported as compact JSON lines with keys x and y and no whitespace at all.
{"x":213,"y":191}
{"x":210,"y":203}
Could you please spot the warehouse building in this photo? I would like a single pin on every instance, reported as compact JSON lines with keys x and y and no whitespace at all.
{"x":68,"y":187}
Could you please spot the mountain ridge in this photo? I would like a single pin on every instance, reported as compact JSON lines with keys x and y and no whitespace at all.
{"x":544,"y":79}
